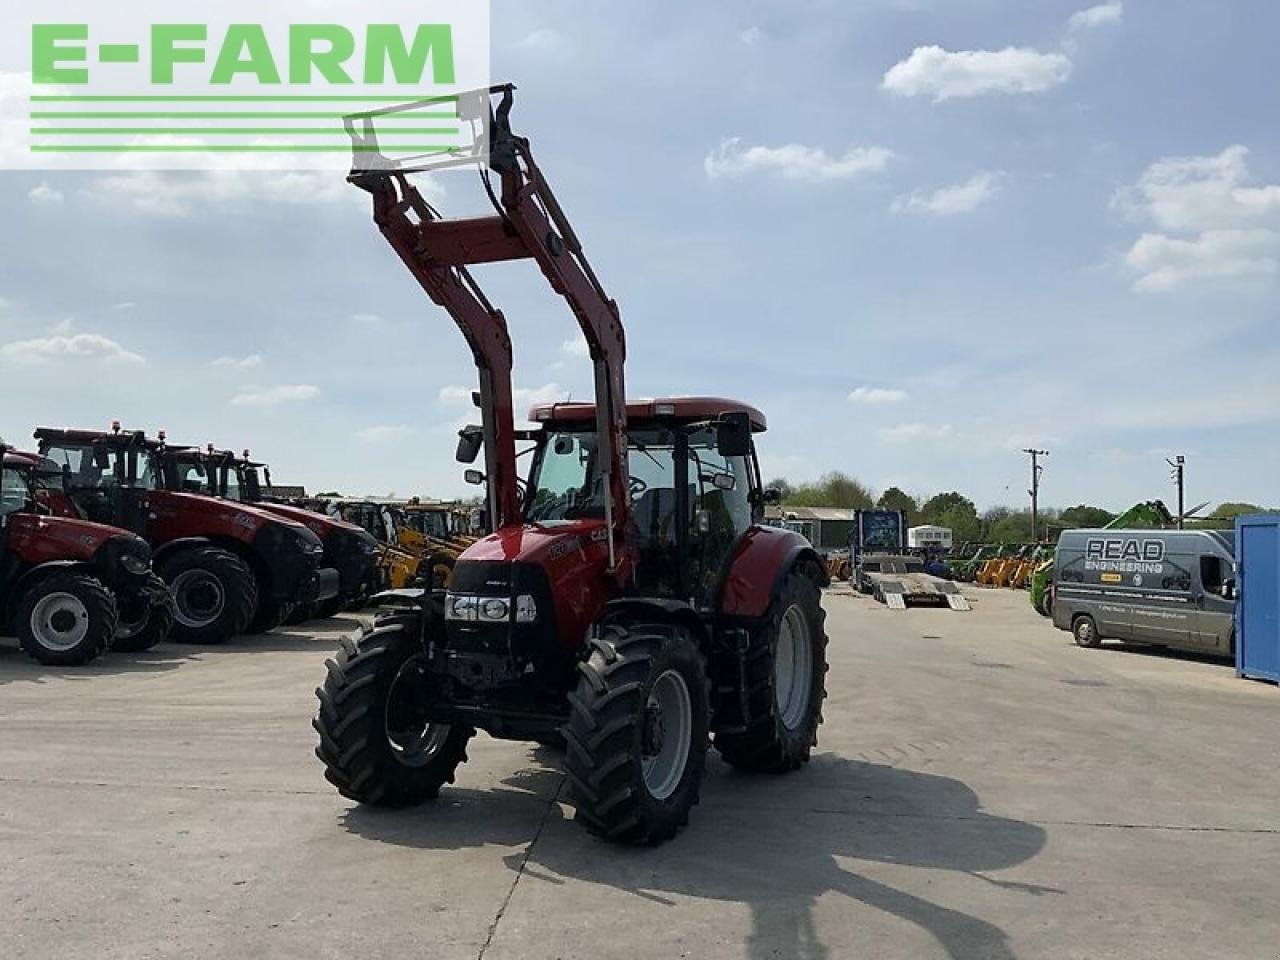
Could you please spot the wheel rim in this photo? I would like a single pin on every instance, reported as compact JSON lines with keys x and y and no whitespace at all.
{"x":667,"y":734}
{"x":59,"y":622}
{"x":198,"y":598}
{"x":414,"y":741}
{"x":1084,"y":630}
{"x":793,"y":668}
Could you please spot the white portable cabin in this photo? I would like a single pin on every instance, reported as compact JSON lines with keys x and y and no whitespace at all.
{"x":928,"y":535}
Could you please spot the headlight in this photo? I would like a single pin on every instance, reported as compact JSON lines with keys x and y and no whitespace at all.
{"x":526,"y":609}
{"x":463,"y":606}
{"x":460,"y":607}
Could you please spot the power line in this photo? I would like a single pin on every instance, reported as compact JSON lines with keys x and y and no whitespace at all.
{"x":1179,"y":476}
{"x":1036,"y":470}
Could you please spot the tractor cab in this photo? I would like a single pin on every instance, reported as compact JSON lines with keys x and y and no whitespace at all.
{"x":107,"y":476}
{"x":694,"y":484}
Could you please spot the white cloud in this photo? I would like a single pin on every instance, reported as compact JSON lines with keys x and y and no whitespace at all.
{"x":240,"y":363}
{"x":45,"y":195}
{"x":81,"y":345}
{"x":1230,"y":258}
{"x":877,"y":396}
{"x":367,"y":319}
{"x":182,"y":194}
{"x":575,"y":347}
{"x":794,"y":161}
{"x":1200,"y":193}
{"x":751,"y":36}
{"x":911,"y":432}
{"x":945,"y":74}
{"x":381,"y":434}
{"x":1096,"y":16}
{"x":949,"y":201}
{"x":1216,"y":227}
{"x":545,"y":41}
{"x":453,"y":395}
{"x":528,"y":396}
{"x":273,"y":396}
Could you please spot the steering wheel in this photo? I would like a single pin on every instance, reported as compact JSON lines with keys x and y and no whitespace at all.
{"x":638,"y":486}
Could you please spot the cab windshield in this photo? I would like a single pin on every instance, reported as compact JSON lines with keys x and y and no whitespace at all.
{"x":125,"y":467}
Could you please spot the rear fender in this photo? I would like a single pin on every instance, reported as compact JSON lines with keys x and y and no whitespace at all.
{"x":761,"y":561}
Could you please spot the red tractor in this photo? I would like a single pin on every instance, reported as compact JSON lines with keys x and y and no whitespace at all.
{"x":630,"y":600}
{"x":349,"y":549}
{"x":68,"y":588}
{"x":232,"y":568}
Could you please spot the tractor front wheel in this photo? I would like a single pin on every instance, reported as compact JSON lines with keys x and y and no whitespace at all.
{"x":637,"y":736}
{"x":66,"y":620}
{"x":376,"y":743}
{"x":785,"y":668}
{"x":142,"y":625}
{"x":214,"y":594}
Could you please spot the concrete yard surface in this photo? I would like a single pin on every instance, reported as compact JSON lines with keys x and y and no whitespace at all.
{"x":982,"y":788}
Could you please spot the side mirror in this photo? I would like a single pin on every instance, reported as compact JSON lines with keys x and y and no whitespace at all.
{"x":771,"y":496}
{"x":473,"y":477}
{"x":101,"y":456}
{"x":470,"y":440}
{"x":724,"y":481}
{"x":733,"y":434}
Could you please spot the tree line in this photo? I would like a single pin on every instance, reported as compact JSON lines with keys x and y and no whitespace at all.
{"x":957,"y":512}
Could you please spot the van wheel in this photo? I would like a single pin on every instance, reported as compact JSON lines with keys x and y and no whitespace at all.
{"x":1086,"y":632}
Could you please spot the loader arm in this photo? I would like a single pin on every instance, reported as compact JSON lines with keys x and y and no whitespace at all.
{"x":528,"y":223}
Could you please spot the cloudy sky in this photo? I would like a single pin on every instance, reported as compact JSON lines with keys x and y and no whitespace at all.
{"x":920,"y":235}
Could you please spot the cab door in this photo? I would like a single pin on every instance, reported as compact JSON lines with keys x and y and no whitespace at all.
{"x":1214,"y":613}
{"x":721,"y":510}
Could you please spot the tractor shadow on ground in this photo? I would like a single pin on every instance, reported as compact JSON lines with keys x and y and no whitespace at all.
{"x":17,"y":667}
{"x":773,"y":844}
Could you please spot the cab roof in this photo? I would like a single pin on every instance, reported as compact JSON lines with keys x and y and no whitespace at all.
{"x":680,"y":409}
{"x":60,"y":435}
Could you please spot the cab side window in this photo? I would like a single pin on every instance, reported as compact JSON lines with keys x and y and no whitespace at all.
{"x":1213,"y":574}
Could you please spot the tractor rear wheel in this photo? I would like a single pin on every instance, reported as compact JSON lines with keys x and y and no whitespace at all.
{"x":786,"y":666}
{"x":637,"y":736}
{"x":214,"y":594}
{"x":375,"y":741}
{"x":66,"y":620}
{"x":141,"y":624}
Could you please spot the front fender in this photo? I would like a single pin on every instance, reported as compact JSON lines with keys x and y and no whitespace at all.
{"x":30,"y":577}
{"x":761,"y":560}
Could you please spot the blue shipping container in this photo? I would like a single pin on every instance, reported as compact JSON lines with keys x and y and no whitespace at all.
{"x":1258,"y":597}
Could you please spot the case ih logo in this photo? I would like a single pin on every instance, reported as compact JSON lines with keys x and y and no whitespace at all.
{"x":217,"y":83}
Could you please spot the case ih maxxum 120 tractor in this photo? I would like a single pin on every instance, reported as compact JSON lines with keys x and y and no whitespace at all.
{"x":232,"y":568}
{"x":629,"y":600}
{"x":349,"y":549}
{"x":71,"y":589}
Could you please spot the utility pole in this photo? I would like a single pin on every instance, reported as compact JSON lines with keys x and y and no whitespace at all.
{"x":1179,"y":474}
{"x":1036,"y":470}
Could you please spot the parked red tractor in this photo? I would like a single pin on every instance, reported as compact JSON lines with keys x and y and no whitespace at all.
{"x":630,"y":600}
{"x":349,"y":549}
{"x":232,"y":568}
{"x":71,"y":589}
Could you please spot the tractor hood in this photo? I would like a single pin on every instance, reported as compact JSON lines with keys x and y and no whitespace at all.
{"x":319,"y":524}
{"x":248,"y":516}
{"x":540,"y":543}
{"x":61,"y":538}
